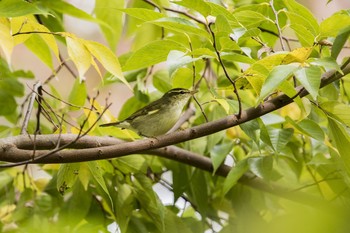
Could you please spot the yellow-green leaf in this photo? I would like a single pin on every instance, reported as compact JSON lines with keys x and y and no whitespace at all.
{"x":299,"y":55}
{"x":7,"y":42}
{"x":107,"y":58}
{"x":79,"y":55}
{"x":38,"y":46}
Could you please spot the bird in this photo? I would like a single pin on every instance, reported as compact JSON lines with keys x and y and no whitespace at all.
{"x":158,"y":117}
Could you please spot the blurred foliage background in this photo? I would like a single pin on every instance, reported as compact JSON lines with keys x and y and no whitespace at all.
{"x":141,"y":49}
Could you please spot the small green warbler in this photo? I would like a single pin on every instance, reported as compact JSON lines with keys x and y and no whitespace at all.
{"x":159,"y":116}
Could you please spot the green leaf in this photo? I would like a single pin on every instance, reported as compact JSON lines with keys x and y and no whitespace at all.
{"x":97,"y":174}
{"x":275,"y":78}
{"x":180,"y":178}
{"x":5,"y":179}
{"x":251,"y":129}
{"x":312,"y":128}
{"x":328,"y":63}
{"x":306,"y":38}
{"x":12,"y":87}
{"x":197,"y":5}
{"x":257,"y":72}
{"x":143,"y":14}
{"x":218,"y":154}
{"x":77,"y":206}
{"x":339,"y":111}
{"x":175,"y":224}
{"x":218,"y":9}
{"x":106,"y":11}
{"x":8,"y":104}
{"x":66,"y":176}
{"x":341,"y":140}
{"x":151,"y":54}
{"x":78,"y":94}
{"x":235,"y":174}
{"x":182,"y":77}
{"x":149,"y":200}
{"x":310,"y":78}
{"x":38,"y":46}
{"x":15,"y":8}
{"x":340,"y":41}
{"x":131,"y":164}
{"x":308,"y":127}
{"x":236,"y":57}
{"x":162,"y":81}
{"x":181,"y":25}
{"x":177,"y":59}
{"x":68,"y":9}
{"x":199,"y":191}
{"x":279,"y":137}
{"x":261,"y":166}
{"x":332,"y":26}
{"x":247,"y":18}
{"x":124,"y":204}
{"x":308,"y":19}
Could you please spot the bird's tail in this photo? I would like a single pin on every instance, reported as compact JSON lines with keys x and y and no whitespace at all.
{"x":110,"y":124}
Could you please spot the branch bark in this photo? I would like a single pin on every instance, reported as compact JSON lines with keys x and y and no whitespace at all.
{"x":16,"y":149}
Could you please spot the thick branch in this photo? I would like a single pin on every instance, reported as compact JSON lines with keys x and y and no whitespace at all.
{"x":12,"y":153}
{"x":18,"y":149}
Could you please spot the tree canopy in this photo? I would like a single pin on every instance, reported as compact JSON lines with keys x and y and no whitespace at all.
{"x":262,"y":146}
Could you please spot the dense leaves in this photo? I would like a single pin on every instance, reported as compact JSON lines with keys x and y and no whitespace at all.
{"x":265,"y":48}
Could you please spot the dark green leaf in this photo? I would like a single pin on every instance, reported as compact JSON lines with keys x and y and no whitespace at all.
{"x":8,"y":104}
{"x":107,"y":12}
{"x":12,"y":87}
{"x":219,"y":153}
{"x":341,"y":141}
{"x":340,"y":41}
{"x":235,"y":174}
{"x":149,"y":201}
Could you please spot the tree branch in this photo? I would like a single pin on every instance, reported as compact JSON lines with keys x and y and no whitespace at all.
{"x":18,"y":148}
{"x":126,"y":148}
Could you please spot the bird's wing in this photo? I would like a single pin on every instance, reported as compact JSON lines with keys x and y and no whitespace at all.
{"x":148,"y":109}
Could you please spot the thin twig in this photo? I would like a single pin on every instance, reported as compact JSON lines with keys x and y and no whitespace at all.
{"x":200,"y":107}
{"x":176,"y":11}
{"x":225,"y":72}
{"x":30,"y":107}
{"x":277,"y":25}
{"x":38,"y":113}
{"x":65,"y":102}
